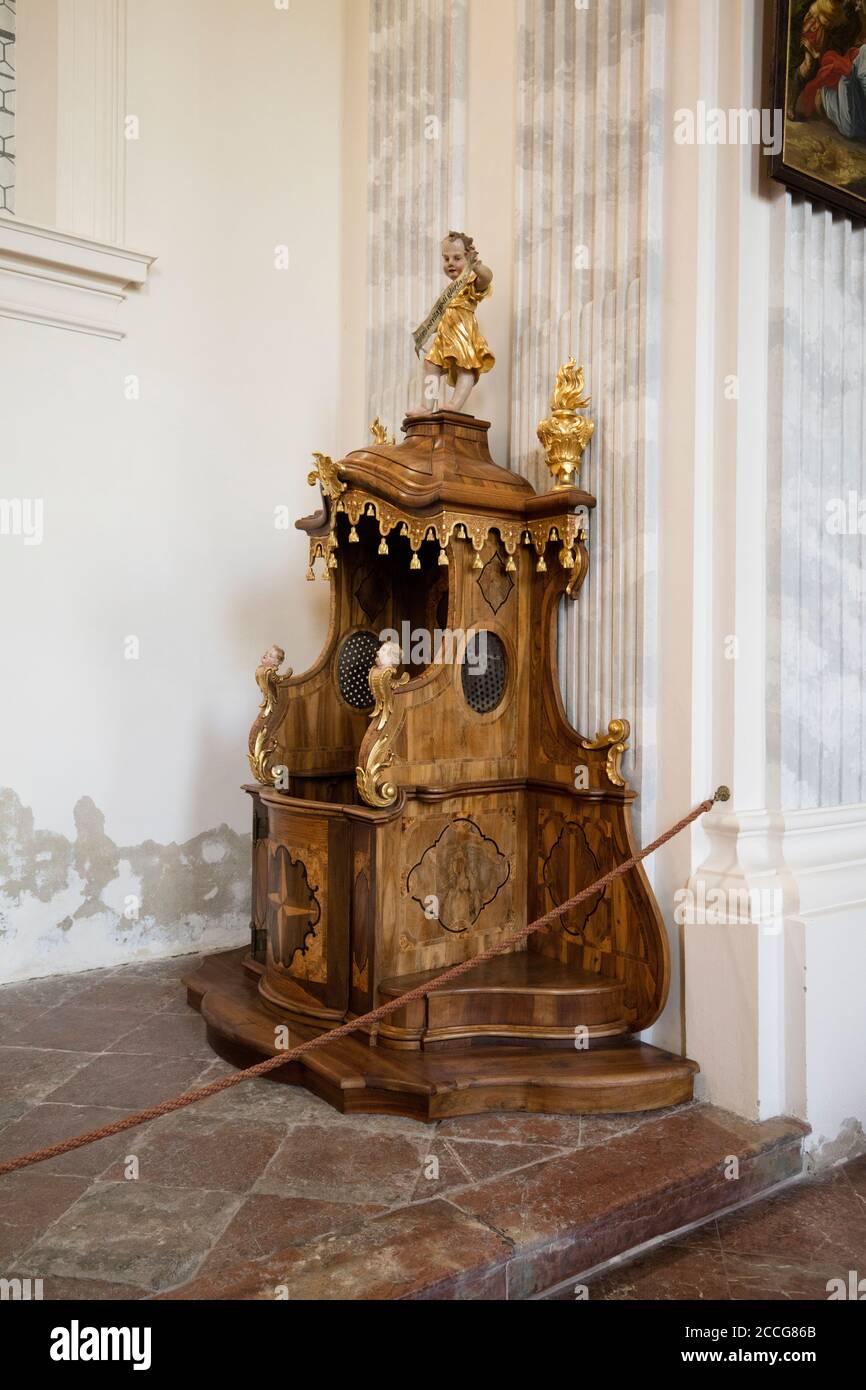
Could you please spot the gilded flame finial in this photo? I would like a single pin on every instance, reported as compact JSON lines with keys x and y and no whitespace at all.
{"x":566,"y":434}
{"x":380,"y":433}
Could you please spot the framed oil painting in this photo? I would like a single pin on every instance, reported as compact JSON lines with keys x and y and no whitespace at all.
{"x":819,"y":85}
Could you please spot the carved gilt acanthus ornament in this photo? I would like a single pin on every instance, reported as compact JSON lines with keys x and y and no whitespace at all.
{"x":377,"y":754}
{"x":327,"y":474}
{"x":274,"y":690}
{"x":616,"y":743}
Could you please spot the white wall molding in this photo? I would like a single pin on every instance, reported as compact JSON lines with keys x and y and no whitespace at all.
{"x":763,"y":985}
{"x":91,"y":96}
{"x":816,"y":858}
{"x":825,"y":852}
{"x":66,"y":281}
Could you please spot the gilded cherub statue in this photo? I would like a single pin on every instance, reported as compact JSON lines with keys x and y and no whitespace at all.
{"x":458,"y":351}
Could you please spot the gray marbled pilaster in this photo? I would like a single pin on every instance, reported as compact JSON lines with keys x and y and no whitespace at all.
{"x":588,"y":282}
{"x":416,"y":180}
{"x":818,"y":730}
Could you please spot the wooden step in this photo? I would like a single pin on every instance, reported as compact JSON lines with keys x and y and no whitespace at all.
{"x":355,"y":1076}
{"x":524,"y":995}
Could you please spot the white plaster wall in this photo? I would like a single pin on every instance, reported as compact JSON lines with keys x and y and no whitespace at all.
{"x":159,"y":512}
{"x":835,"y":1077}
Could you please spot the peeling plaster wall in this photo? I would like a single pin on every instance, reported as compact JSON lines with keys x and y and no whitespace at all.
{"x":159,"y":507}
{"x":80,"y":903}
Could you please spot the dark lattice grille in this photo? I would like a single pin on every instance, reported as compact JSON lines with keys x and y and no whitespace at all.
{"x":356,"y":659}
{"x":7,"y":105}
{"x":484,"y":680}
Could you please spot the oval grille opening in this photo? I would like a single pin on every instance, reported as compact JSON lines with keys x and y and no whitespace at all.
{"x":485,"y":672}
{"x":354,"y":664}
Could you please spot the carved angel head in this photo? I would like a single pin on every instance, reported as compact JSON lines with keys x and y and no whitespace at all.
{"x":273,"y":658}
{"x":389,"y":654}
{"x":458,"y":251}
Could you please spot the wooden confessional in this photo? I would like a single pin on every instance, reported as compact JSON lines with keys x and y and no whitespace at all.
{"x":413,"y":807}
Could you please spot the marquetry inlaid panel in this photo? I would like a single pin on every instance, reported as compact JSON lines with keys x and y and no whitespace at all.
{"x":460,"y":882}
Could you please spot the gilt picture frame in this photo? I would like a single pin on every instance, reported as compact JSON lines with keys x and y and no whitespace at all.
{"x":819,"y":87}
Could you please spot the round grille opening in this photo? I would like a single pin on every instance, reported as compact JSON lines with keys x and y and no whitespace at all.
{"x":354,"y":664}
{"x":485,"y":672}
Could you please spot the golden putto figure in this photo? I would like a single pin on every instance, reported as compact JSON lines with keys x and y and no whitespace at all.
{"x":459,"y":350}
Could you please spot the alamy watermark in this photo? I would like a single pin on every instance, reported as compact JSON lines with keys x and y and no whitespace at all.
{"x":846,"y":516}
{"x":854,"y":1288}
{"x":713,"y":907}
{"x":711,"y":125}
{"x":440,"y":647}
{"x":20,"y":1290}
{"x":77,"y":1343}
{"x":23,"y":516}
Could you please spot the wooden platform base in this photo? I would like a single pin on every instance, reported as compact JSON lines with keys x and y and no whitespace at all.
{"x":354,"y":1075}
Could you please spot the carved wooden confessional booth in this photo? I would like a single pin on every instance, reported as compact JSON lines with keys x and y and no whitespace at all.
{"x":412,"y":808}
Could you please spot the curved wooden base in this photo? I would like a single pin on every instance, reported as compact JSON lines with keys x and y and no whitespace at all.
{"x":355,"y":1076}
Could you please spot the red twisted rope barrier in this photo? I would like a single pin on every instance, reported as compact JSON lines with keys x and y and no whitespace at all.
{"x":280,"y":1059}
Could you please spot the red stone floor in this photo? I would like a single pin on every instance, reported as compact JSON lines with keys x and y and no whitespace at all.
{"x":265,"y":1191}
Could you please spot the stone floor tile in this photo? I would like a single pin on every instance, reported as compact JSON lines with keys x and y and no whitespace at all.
{"x":812,"y":1223}
{"x":132,"y":1233}
{"x":168,"y":1035}
{"x":266,"y":1224}
{"x":187,"y":1150}
{"x":16,"y":1016}
{"x":137,"y":995}
{"x":776,"y":1281}
{"x":559,"y":1131}
{"x":29,"y":1074}
{"x":74,"y":1027}
{"x":49,"y":1123}
{"x":680,"y":1270}
{"x":428,"y":1251}
{"x":48,"y":991}
{"x":454,"y":1163}
{"x":128,"y":1082}
{"x":29,"y":1202}
{"x":337,"y":1163}
{"x":264,"y":1100}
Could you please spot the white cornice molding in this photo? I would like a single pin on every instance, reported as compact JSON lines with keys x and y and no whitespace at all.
{"x":109,"y":265}
{"x":66,"y":281}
